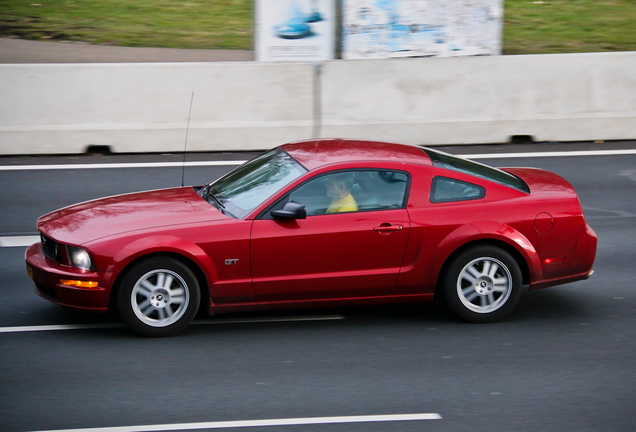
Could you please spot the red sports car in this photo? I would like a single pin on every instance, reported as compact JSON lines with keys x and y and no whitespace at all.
{"x":320,"y":222}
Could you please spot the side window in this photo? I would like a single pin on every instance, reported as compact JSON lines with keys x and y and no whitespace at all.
{"x":381,"y":190}
{"x":448,"y":190}
{"x":347,"y":191}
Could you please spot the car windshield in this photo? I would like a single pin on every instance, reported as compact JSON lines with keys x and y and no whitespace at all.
{"x":447,"y":161}
{"x":248,"y":186}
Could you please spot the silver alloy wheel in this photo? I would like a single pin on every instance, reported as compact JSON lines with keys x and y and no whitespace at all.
{"x":484,"y":285}
{"x":160,"y":298}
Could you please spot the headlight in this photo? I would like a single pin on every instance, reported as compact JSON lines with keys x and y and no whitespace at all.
{"x":79,"y":258}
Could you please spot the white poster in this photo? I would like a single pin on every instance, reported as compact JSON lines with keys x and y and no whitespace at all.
{"x":294,"y":30}
{"x":420,"y":28}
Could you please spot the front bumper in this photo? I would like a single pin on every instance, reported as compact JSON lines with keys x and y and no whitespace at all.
{"x":47,"y":275}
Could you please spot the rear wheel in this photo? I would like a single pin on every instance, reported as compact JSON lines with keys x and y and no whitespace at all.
{"x":159,"y":297}
{"x":482,"y":284}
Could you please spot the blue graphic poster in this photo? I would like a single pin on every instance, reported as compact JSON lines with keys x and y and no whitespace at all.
{"x":420,"y":28}
{"x":288,"y":30}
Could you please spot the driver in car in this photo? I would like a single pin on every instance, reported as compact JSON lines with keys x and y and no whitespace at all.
{"x":339,"y":190}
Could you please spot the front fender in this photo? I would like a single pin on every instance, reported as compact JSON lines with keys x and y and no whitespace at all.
{"x":136,"y":247}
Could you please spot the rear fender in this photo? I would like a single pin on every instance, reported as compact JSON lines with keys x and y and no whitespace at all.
{"x":487,"y":230}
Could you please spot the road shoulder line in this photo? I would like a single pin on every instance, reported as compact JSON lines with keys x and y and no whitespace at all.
{"x":57,"y":327}
{"x":239,"y":162}
{"x":262,"y":423}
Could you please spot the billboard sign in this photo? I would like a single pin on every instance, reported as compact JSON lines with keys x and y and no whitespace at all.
{"x":420,"y":28}
{"x":288,"y":30}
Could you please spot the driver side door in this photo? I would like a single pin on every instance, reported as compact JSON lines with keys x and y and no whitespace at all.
{"x":333,"y":255}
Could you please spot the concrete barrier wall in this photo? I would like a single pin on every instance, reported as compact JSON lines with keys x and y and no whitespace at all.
{"x":466,"y":100}
{"x":64,"y":108}
{"x":144,"y":107}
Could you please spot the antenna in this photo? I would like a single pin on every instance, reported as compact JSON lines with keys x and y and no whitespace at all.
{"x":185,"y":145}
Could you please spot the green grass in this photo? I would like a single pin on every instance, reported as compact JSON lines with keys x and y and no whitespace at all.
{"x":225,"y":24}
{"x":564,"y":26}
{"x":530,"y":27}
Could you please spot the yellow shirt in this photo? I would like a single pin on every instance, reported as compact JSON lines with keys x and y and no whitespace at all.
{"x":347,"y":204}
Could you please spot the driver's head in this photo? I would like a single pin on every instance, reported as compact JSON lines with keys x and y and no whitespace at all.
{"x":339,"y":186}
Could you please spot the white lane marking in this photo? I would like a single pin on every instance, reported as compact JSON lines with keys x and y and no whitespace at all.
{"x":266,"y":320}
{"x":262,"y":423}
{"x":118,"y":165}
{"x":239,"y":162}
{"x":19,"y":241}
{"x":56,"y":327}
{"x":550,"y":154}
{"x":25,"y":329}
{"x":630,"y":174}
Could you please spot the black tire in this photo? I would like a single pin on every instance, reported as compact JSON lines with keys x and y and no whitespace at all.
{"x":482,"y":284}
{"x":158,"y":297}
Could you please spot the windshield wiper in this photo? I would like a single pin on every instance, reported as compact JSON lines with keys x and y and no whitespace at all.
{"x":207,"y":194}
{"x":216,"y":200}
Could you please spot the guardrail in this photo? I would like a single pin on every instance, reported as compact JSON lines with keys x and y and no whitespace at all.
{"x":143,"y":107}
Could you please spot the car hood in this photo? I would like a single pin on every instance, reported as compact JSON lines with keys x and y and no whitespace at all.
{"x":91,"y":220}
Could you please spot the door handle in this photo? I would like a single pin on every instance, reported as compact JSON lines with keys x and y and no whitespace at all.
{"x":387,"y":227}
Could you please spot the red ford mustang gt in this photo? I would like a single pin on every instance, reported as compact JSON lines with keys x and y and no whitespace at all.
{"x":321,"y":222}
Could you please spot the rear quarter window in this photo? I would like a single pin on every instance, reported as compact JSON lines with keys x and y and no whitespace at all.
{"x":444,"y":189}
{"x":465,"y":166}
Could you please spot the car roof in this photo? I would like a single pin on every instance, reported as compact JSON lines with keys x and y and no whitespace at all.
{"x":313,"y":154}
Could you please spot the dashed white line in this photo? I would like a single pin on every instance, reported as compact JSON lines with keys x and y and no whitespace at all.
{"x":273,"y":319}
{"x":119,"y":165}
{"x":550,"y":154}
{"x":39,"y":328}
{"x":239,"y":162}
{"x":19,"y":241}
{"x":61,"y":327}
{"x":262,"y":423}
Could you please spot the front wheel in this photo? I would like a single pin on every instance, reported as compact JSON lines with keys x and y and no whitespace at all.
{"x":159,"y":297}
{"x":482,"y":284}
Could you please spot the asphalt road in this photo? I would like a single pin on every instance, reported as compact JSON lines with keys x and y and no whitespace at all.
{"x":563,"y":361}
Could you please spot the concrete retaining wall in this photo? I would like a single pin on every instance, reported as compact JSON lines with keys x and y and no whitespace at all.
{"x":465,"y":100}
{"x":144,"y":107}
{"x":64,"y":108}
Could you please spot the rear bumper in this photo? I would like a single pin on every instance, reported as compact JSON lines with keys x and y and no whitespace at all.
{"x":569,"y":266}
{"x":48,"y":274}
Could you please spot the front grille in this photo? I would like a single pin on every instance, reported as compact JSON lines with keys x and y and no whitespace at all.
{"x":51,"y":248}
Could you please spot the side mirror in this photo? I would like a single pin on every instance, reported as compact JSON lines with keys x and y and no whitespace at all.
{"x":291,"y":210}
